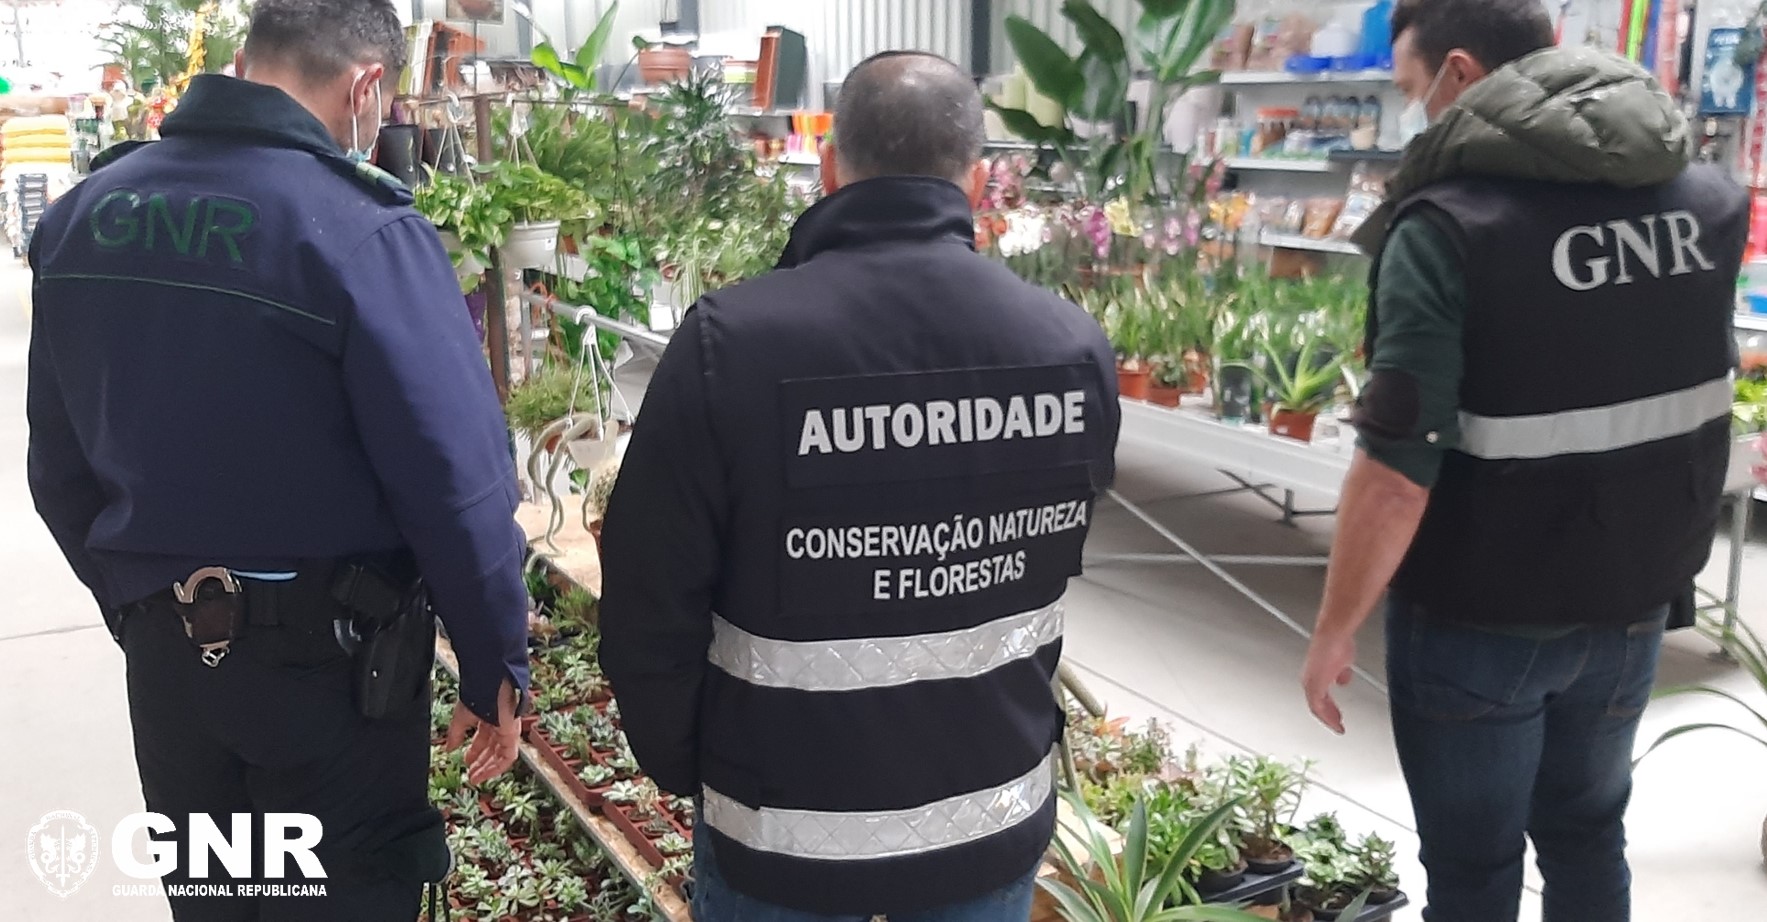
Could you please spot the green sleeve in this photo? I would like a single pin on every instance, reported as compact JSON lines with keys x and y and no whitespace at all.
{"x":1409,"y":415}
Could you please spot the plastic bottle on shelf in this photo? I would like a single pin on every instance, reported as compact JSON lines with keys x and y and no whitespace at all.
{"x":1377,"y":36}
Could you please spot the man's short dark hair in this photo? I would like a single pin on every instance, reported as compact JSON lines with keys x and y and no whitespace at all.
{"x":907,"y":113}
{"x":1494,"y":32}
{"x":323,"y":39}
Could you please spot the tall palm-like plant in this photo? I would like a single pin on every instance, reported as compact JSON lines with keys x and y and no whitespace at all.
{"x":1170,"y":40}
{"x":150,"y":40}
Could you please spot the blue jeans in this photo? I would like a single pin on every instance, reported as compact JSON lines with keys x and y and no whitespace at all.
{"x":1505,"y":738}
{"x":715,"y":901}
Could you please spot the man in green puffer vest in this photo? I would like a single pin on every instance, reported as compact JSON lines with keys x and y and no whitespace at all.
{"x":1543,"y":444}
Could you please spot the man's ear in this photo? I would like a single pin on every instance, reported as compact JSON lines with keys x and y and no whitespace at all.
{"x":977,"y":187}
{"x":831,"y":174}
{"x":1465,"y":68}
{"x":239,"y":63}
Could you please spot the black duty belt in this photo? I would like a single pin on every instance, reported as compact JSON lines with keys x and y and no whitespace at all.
{"x":217,"y":606}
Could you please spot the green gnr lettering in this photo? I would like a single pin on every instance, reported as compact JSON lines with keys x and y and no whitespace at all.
{"x":200,"y":226}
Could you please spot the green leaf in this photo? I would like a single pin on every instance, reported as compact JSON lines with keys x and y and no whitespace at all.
{"x":1026,"y":126}
{"x":589,"y":55}
{"x":1685,"y":729}
{"x":1104,"y":89}
{"x":1164,"y":7}
{"x":1052,"y":72}
{"x":1714,"y":692}
{"x":576,"y":76}
{"x":545,"y":57}
{"x":1100,"y":36}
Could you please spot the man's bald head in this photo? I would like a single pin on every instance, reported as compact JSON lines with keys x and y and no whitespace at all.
{"x":906,"y":113}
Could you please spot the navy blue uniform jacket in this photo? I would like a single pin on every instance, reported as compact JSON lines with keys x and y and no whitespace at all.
{"x":246,"y":351}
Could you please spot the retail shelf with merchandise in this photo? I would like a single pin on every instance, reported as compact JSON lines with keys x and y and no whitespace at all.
{"x":1310,"y":244}
{"x":1284,"y":78}
{"x":1281,"y":165}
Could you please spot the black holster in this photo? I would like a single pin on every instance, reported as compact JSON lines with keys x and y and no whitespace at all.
{"x":391,"y":639}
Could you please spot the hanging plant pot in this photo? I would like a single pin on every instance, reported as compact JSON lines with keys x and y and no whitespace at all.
{"x":531,"y":245}
{"x":590,"y":452}
{"x":1133,"y":380}
{"x":1291,"y":424}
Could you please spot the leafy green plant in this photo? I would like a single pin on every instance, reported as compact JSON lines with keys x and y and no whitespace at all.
{"x":1750,"y":410}
{"x":549,"y":395}
{"x":1169,"y":41}
{"x":575,"y":608}
{"x":594,"y":774}
{"x":577,"y":75}
{"x":1308,"y":384}
{"x":1371,"y":864}
{"x":1744,"y":646}
{"x":1132,"y":886}
{"x":522,"y":192}
{"x":1271,"y":793}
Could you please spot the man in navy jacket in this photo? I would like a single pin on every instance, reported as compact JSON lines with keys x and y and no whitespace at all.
{"x":249,"y":353}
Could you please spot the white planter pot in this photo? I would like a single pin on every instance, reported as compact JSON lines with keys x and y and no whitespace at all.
{"x":531,"y":246}
{"x":590,"y":453}
{"x":469,"y":266}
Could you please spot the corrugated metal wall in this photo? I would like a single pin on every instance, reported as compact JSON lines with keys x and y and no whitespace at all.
{"x":841,"y":33}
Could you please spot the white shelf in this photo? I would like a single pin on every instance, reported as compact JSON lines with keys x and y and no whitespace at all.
{"x":1283,"y":78}
{"x":1754,"y":323}
{"x":1311,"y":244}
{"x":801,"y":159}
{"x":1280,"y":165}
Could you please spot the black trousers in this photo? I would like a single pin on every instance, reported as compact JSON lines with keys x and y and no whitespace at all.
{"x":273,"y":729}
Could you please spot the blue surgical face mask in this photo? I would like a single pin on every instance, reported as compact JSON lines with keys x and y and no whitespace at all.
{"x":357,"y":152}
{"x":1415,"y":119}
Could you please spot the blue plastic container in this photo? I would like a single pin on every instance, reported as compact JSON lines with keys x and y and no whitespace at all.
{"x":1377,"y":35}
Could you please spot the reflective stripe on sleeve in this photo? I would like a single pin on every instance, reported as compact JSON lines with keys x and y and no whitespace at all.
{"x":862,"y":835}
{"x":882,"y":662}
{"x":1609,"y":428}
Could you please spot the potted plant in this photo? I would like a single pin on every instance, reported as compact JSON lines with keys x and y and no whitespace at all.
{"x":1372,"y":871}
{"x":1271,"y":793}
{"x":1742,"y":645}
{"x":1299,"y":392}
{"x":547,"y":396}
{"x":1126,"y":326}
{"x":1103,"y":884}
{"x":531,"y":204}
{"x":460,"y":210}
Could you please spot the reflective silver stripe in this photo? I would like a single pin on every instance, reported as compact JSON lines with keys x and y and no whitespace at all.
{"x":860,"y":836}
{"x":882,"y":662}
{"x":1609,"y":428}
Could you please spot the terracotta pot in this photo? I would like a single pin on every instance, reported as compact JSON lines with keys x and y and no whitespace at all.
{"x":1133,"y":383}
{"x":660,"y":64}
{"x":1292,"y":425}
{"x":1160,"y":395}
{"x":568,"y":243}
{"x":1198,"y":383}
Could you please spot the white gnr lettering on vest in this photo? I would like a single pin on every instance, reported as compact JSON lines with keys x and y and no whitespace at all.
{"x":942,"y":422}
{"x":1628,"y":245}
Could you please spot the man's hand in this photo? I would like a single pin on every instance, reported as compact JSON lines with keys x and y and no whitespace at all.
{"x":494,"y":746}
{"x":1329,"y":659}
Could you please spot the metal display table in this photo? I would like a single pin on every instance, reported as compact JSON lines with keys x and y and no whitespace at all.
{"x":1275,"y":469}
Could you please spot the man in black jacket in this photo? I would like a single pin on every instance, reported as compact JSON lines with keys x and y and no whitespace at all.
{"x":836,"y":555}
